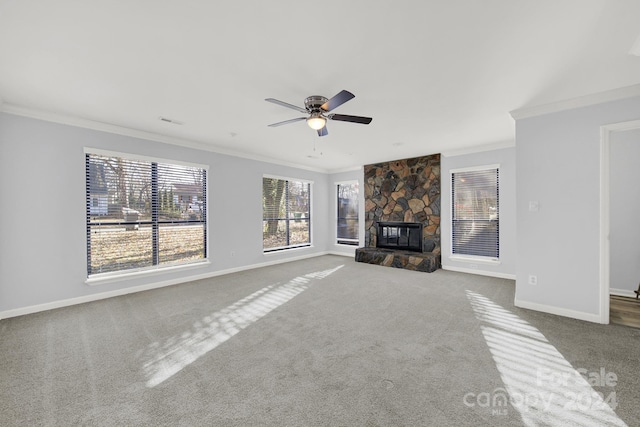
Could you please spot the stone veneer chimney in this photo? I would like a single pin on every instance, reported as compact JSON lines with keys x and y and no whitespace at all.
{"x":404,"y":191}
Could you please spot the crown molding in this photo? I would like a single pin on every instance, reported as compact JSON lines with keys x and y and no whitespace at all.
{"x":346,"y":169}
{"x":582,"y":101}
{"x":480,"y":148}
{"x":135,"y":133}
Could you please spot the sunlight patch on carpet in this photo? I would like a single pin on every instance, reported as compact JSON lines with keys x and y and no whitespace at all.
{"x":541,"y":384}
{"x":163,"y":360}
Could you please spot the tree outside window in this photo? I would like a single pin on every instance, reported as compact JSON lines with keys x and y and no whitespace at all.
{"x":142,"y":214}
{"x":286,"y":217}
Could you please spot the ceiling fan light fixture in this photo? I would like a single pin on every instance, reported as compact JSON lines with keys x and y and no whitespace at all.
{"x":316,"y":121}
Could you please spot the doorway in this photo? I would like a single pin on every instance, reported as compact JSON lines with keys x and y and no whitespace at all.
{"x":619,"y":233}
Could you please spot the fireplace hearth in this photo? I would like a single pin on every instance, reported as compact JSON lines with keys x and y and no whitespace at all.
{"x":400,"y":235}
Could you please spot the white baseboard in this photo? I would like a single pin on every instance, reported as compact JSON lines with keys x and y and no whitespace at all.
{"x":110,"y":294}
{"x":342,"y":254}
{"x":580,"y":315}
{"x":480,"y":272}
{"x":622,"y":292}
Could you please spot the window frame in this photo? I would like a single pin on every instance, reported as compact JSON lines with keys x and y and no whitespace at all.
{"x":309,"y":219}
{"x":111,"y":276}
{"x":338,"y":240}
{"x":476,"y":258}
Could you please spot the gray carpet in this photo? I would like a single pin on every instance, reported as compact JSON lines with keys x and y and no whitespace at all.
{"x":319,"y":342}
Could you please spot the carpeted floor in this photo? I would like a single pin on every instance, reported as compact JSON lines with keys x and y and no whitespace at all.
{"x":319,"y":342}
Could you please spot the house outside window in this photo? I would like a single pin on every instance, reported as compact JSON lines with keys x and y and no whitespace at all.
{"x":475,"y":212}
{"x":143,"y":214}
{"x":347,"y":221}
{"x":286,"y":213}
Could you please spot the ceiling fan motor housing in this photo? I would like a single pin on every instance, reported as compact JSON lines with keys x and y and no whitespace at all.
{"x":314,"y":102}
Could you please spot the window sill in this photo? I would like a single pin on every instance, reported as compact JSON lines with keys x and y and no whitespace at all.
{"x":475,"y":259}
{"x":99,"y":279}
{"x":345,"y":245}
{"x":283,"y":250}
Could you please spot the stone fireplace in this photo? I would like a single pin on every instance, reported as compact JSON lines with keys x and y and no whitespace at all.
{"x":402,"y":214}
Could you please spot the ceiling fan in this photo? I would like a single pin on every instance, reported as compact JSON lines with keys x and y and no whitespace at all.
{"x":316,"y":106}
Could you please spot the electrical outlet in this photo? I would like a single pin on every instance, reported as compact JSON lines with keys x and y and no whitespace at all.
{"x":533,"y":280}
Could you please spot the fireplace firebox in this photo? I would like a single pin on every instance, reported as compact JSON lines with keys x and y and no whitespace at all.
{"x":400,"y":235}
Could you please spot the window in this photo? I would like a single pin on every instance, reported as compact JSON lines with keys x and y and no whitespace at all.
{"x":347,"y":232}
{"x":475,"y":212}
{"x":286,"y":213}
{"x":143,"y":214}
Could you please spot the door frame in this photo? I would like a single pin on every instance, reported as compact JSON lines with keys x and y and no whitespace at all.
{"x":606,"y":135}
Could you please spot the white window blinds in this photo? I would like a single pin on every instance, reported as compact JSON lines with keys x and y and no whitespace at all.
{"x":475,"y":213}
{"x":286,"y":213}
{"x":143,"y":214}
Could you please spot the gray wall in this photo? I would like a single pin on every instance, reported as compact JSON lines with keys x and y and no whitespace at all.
{"x":43,"y":248}
{"x":624,"y":205}
{"x":42,"y":220}
{"x":558,"y":165}
{"x":506,"y":159}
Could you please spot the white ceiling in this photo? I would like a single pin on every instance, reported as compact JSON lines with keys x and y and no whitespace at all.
{"x":435,"y":76}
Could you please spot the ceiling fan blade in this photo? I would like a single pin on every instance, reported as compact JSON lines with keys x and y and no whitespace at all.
{"x":286,"y":122}
{"x":352,"y":119}
{"x":337,"y":100}
{"x":286,"y":104}
{"x":323,"y":131}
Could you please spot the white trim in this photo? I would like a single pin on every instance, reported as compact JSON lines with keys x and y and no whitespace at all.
{"x":348,"y":181}
{"x":286,"y":178}
{"x":335,"y":212}
{"x":285,"y":249}
{"x":497,"y":274}
{"x":142,"y":158}
{"x":580,"y":315}
{"x":467,"y":258}
{"x":149,"y":136}
{"x":345,"y":245}
{"x":119,"y":276}
{"x":605,"y":225}
{"x":345,"y":254}
{"x":622,"y":292}
{"x":605,"y":212}
{"x":622,"y":126}
{"x":473,"y":259}
{"x":479,"y":149}
{"x":347,"y":169}
{"x":582,"y":101}
{"x":474,"y":168}
{"x":119,"y":292}
{"x":310,"y":219}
